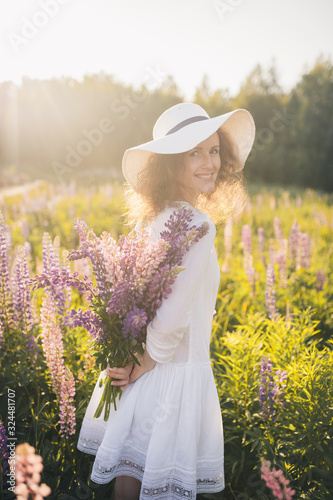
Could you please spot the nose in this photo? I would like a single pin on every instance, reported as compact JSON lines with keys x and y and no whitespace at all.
{"x":207,"y":161}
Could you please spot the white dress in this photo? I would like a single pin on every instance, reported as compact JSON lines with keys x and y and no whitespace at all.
{"x":167,"y":430}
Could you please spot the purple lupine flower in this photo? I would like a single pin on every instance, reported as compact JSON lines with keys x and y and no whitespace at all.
{"x":61,"y":278}
{"x":22,"y":298}
{"x":134,"y":322}
{"x":321,"y":278}
{"x":280,"y":382}
{"x":261,"y":243}
{"x":51,"y":264}
{"x":6,"y":298}
{"x":160,"y":287}
{"x":281,"y":259}
{"x":3,"y":450}
{"x":181,"y":235}
{"x":90,"y":247}
{"x":266,"y":389}
{"x":88,"y":320}
{"x":293,"y":243}
{"x":271,"y":389}
{"x":306,"y":250}
{"x":270,"y":293}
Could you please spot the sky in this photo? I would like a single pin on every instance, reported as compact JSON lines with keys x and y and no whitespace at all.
{"x":144,"y":41}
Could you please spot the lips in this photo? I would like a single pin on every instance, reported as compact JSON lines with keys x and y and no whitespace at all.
{"x":205,"y":176}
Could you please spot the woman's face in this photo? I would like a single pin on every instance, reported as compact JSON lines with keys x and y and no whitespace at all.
{"x":201,"y":166}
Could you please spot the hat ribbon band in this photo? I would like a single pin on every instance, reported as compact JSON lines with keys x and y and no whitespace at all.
{"x":187,"y":122}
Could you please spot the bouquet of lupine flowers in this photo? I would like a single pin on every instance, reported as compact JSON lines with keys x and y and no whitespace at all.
{"x":132,"y":277}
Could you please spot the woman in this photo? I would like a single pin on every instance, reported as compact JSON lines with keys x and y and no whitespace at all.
{"x":165,"y":441}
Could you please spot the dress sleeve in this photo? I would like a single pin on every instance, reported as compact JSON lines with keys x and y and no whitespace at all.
{"x":166,"y":330}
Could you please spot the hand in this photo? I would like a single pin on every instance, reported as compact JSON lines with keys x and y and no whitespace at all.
{"x":121,"y":376}
{"x":146,"y":364}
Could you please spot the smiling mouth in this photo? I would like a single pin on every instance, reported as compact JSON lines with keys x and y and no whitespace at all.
{"x":205,"y":176}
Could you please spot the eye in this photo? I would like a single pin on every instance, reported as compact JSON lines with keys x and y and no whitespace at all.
{"x":215,"y":151}
{"x":194,"y":153}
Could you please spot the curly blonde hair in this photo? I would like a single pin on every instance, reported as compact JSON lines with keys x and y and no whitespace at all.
{"x":159,"y":185}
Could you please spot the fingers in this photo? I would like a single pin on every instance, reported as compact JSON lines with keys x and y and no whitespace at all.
{"x":119,"y":373}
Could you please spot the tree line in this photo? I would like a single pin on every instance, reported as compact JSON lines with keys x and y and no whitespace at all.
{"x":63,"y":130}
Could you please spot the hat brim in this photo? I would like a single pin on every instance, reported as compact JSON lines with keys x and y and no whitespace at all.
{"x":238,"y":124}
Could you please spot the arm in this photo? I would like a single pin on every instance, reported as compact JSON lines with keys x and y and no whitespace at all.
{"x":166,"y":330}
{"x":130,"y":373}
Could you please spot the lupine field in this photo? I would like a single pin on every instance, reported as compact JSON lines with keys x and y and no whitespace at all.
{"x":272,"y":343}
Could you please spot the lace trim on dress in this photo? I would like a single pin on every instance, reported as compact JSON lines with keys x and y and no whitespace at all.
{"x":87,"y":443}
{"x":170,"y":488}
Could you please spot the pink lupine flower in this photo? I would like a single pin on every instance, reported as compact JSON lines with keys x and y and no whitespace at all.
{"x":52,"y":343}
{"x":278,"y":230}
{"x":67,"y":409}
{"x":293,"y":243}
{"x":276,"y":481}
{"x":303,"y":253}
{"x":6,"y":298}
{"x":27,"y":474}
{"x":270,"y":293}
{"x":261,"y":243}
{"x":22,"y":298}
{"x":246,"y":238}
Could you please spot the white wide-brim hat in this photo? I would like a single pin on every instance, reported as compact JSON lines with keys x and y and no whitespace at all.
{"x":181,"y":128}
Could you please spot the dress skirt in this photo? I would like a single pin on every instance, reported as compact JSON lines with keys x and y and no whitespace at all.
{"x":166,"y":432}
